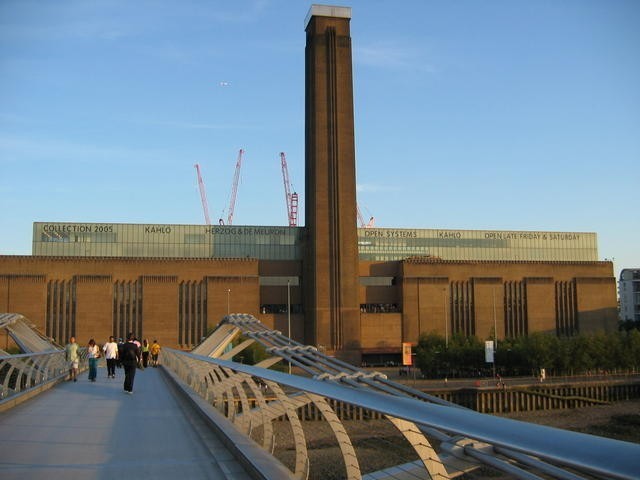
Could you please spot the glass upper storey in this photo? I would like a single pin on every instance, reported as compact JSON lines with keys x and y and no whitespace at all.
{"x":286,"y":243}
{"x":175,"y":241}
{"x":393,"y":244}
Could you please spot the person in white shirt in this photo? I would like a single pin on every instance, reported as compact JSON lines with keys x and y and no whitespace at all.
{"x":93,"y":353}
{"x":111,"y":354}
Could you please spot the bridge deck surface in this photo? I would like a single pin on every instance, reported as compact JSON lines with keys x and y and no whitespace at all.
{"x":94,"y":430}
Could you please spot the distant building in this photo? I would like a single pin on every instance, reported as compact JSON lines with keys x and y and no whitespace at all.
{"x":174,"y":282}
{"x":629,"y":291}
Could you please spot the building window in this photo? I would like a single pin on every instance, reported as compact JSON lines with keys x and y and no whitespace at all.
{"x":377,"y":281}
{"x":462,"y":308}
{"x":127,"y":309}
{"x":273,"y":308}
{"x":379,"y":308}
{"x":566,"y":308}
{"x":192,"y":313}
{"x":280,"y":281}
{"x":61,"y":310}
{"x":515,"y":310}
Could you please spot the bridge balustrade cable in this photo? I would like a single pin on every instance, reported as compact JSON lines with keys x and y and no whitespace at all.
{"x":311,"y":361}
{"x":520,"y":449}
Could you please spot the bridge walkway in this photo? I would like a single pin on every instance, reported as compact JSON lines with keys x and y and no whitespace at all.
{"x":94,"y":430}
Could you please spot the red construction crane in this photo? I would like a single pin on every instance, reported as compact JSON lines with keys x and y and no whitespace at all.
{"x":291,"y":199}
{"x":234,"y":190}
{"x":372,"y":220}
{"x":203,"y":195}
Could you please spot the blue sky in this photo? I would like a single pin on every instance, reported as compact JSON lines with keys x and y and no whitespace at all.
{"x":501,"y":114}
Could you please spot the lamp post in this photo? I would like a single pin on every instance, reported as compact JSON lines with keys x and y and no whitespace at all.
{"x":446,"y":318}
{"x":495,"y":333}
{"x":228,"y":301}
{"x":446,"y":334}
{"x":289,"y":315}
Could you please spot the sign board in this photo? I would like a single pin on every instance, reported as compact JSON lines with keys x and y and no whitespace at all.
{"x":488,"y":351}
{"x":406,"y":353}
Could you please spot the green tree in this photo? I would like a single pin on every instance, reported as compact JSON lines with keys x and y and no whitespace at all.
{"x":430,"y":355}
{"x":563,"y":361}
{"x":465,"y":355}
{"x":252,"y":354}
{"x":632,"y":349}
{"x":527,"y":354}
{"x":537,"y":351}
{"x":582,"y":353}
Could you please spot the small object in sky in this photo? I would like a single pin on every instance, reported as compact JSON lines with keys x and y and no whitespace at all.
{"x":225,"y":84}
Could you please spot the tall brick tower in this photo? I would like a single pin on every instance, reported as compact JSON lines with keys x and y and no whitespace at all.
{"x":331,"y":263}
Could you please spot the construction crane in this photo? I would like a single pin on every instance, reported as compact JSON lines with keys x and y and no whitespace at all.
{"x":203,"y":195}
{"x":291,"y":199}
{"x":363,"y":224}
{"x":234,"y":190}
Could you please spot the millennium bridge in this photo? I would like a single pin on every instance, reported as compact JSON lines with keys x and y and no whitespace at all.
{"x":203,"y":415}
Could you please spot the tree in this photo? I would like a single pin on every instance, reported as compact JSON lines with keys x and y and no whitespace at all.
{"x":430,"y":354}
{"x":563,"y":362}
{"x":528,"y":354}
{"x":632,"y":349}
{"x":582,"y":354}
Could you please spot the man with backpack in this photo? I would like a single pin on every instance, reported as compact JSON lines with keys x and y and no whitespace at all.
{"x":130,"y":358}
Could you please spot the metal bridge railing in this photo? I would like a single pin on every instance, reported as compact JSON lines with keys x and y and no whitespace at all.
{"x":40,"y":362}
{"x":27,"y":371}
{"x":254,"y":397}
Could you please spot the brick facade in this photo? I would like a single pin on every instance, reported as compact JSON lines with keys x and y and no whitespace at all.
{"x":177,"y":300}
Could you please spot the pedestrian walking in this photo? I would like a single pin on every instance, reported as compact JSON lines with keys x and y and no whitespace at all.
{"x":130,"y":358}
{"x":145,"y":352}
{"x":93,"y":353}
{"x":111,"y":355}
{"x":155,"y":351}
{"x":71,"y":356}
{"x":120,"y":347}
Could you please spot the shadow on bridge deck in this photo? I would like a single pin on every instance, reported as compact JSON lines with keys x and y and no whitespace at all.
{"x":95,"y":430}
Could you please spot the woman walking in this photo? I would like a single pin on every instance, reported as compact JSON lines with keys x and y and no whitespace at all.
{"x":145,"y":352}
{"x":93,"y":353}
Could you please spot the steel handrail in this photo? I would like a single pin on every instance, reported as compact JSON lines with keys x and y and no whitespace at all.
{"x":595,"y":455}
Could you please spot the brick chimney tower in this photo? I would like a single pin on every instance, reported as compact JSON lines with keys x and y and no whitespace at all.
{"x":331,"y":264}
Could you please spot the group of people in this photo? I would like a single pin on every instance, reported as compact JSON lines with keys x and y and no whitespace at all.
{"x":129,"y":355}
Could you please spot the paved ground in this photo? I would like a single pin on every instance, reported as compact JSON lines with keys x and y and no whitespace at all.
{"x":94,"y":430}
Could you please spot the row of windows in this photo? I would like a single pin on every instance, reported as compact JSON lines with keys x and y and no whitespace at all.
{"x":501,"y":254}
{"x":295,"y":252}
{"x":380,"y":308}
{"x":280,"y":308}
{"x":78,"y":237}
{"x":189,"y":239}
{"x":414,"y":243}
{"x":433,"y":242}
{"x":266,"y":252}
{"x":271,"y":252}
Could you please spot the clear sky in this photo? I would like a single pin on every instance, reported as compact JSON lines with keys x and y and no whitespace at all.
{"x":500,"y":114}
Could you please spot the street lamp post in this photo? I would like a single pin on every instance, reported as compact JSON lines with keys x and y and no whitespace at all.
{"x":446,"y":332}
{"x":495,"y":333}
{"x":446,"y":318}
{"x":289,"y":314}
{"x":228,"y":301}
